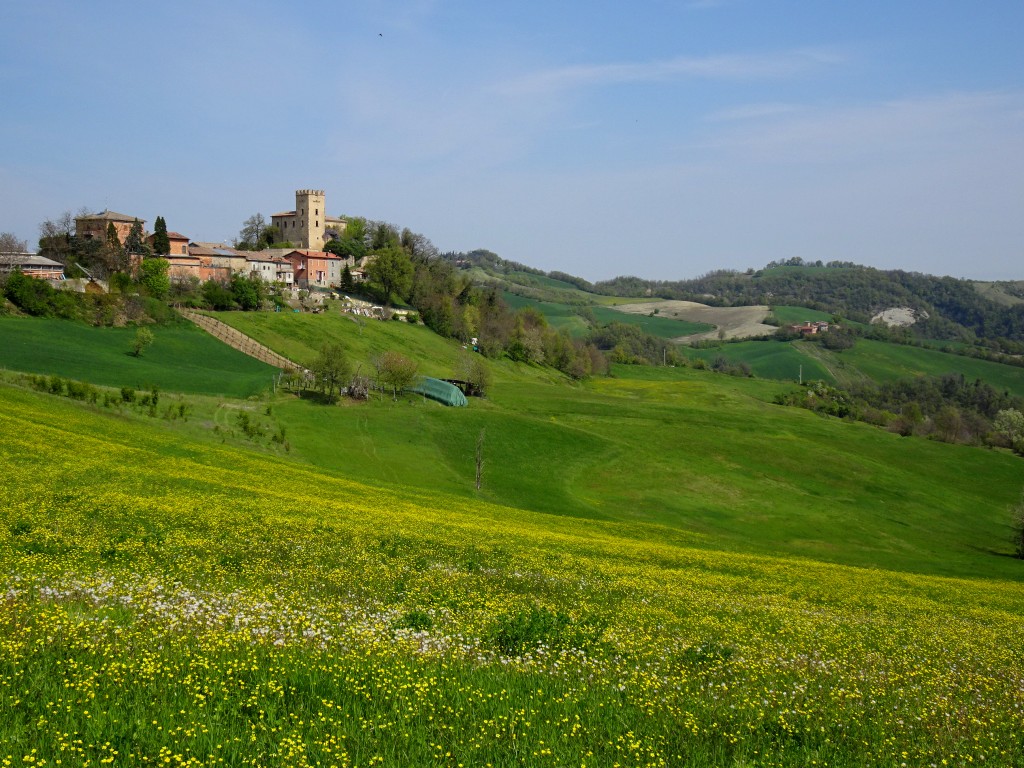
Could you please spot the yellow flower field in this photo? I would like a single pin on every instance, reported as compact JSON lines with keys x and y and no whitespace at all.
{"x":166,"y":603}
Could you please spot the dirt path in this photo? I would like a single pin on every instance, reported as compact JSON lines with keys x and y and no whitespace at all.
{"x":238,"y":340}
{"x":736,"y":322}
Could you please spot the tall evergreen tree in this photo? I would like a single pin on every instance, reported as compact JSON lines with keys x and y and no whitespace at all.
{"x":113,"y":253}
{"x":347,"y":283}
{"x":133,"y":244}
{"x":161,"y":243}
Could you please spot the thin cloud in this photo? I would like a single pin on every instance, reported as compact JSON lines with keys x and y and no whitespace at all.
{"x":728,"y":67}
{"x":900,"y":128}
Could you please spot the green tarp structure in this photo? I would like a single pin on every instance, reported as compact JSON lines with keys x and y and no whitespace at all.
{"x":439,"y":390}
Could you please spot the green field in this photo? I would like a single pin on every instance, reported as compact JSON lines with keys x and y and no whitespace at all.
{"x":566,"y":317}
{"x":187,"y":603}
{"x":767,"y":359}
{"x":182,"y":358}
{"x":888,"y":362}
{"x":662,"y":327}
{"x":662,"y":568}
{"x":561,"y":316}
{"x":867,"y":360}
{"x":792,"y":315}
{"x":656,"y":445}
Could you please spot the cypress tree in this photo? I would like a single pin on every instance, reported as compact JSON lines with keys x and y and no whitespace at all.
{"x":161,"y":243}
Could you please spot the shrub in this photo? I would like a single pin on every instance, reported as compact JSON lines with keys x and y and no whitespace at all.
{"x":415,"y":620}
{"x":525,"y":629}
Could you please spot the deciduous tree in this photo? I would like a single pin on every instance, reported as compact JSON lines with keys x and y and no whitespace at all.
{"x":252,"y":233}
{"x":143,"y":339}
{"x":331,"y":369}
{"x":153,"y":277}
{"x":392,"y":270}
{"x":11,"y":243}
{"x":396,"y":371}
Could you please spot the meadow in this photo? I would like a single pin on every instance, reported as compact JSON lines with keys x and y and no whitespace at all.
{"x":693,"y":450}
{"x":567,"y":317}
{"x":175,"y":602}
{"x":182,"y":358}
{"x":767,"y":359}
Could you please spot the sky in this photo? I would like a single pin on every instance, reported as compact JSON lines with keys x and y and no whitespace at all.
{"x":657,"y":138}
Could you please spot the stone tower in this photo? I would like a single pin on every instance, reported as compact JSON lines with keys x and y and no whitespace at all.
{"x":309,"y":218}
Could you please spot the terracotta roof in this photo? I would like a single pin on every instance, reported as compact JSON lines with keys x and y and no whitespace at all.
{"x":282,"y":213}
{"x":110,"y":216}
{"x":315,"y":254}
{"x":176,"y":236}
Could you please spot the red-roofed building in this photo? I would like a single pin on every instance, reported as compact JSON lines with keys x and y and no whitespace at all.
{"x":316,"y":269}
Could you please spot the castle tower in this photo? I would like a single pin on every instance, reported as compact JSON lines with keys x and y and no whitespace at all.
{"x":310,"y":216}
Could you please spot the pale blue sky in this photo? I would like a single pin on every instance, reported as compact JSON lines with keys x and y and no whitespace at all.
{"x":662,"y":138}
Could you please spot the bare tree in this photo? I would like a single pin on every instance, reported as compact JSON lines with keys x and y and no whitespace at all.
{"x":472,"y":369}
{"x":11,"y":243}
{"x":252,"y":233}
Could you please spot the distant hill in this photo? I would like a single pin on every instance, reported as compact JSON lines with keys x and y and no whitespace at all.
{"x":946,"y":308}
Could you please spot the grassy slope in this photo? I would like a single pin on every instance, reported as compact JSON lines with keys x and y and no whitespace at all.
{"x":868,"y":359}
{"x":181,"y":359}
{"x":188,"y":603}
{"x":560,"y":316}
{"x":688,"y":449}
{"x":566,"y":317}
{"x":691,"y":450}
{"x":887,"y":362}
{"x":767,"y":359}
{"x":656,"y":325}
{"x":793,"y":315}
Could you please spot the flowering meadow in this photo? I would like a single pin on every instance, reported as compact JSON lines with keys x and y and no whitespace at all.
{"x":166,"y":602}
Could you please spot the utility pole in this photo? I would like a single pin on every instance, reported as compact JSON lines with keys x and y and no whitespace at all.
{"x":801,"y":374}
{"x":480,"y":458}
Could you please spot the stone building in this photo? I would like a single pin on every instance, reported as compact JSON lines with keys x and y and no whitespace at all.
{"x":94,"y":226}
{"x":308,"y":226}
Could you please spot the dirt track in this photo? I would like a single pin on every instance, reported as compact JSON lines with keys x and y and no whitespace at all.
{"x":737,"y":322}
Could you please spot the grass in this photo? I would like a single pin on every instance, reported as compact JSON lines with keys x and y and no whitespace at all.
{"x":182,"y":358}
{"x":656,"y":325}
{"x":767,"y":359}
{"x":568,"y":318}
{"x":561,"y":316}
{"x":888,"y":362}
{"x":183,"y":603}
{"x":676,"y":447}
{"x":868,"y":359}
{"x":300,"y":337}
{"x":792,"y":315}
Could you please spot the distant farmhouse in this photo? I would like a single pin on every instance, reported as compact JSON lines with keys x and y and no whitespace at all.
{"x":810,"y":328}
{"x":308,"y":226}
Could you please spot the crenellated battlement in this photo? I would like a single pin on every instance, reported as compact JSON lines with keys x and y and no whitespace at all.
{"x":312,"y":192}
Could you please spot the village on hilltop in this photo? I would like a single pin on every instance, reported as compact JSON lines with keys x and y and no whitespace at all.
{"x":302,"y":265}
